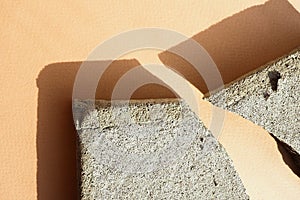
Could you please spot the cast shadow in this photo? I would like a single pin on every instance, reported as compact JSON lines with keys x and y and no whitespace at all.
{"x":56,"y":136}
{"x":289,"y":156}
{"x":241,"y":43}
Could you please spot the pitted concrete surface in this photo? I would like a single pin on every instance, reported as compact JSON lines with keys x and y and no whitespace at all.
{"x":151,"y":149}
{"x":269,"y":98}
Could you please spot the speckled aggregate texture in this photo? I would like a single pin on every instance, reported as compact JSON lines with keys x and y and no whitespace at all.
{"x":151,"y":149}
{"x":269,"y":98}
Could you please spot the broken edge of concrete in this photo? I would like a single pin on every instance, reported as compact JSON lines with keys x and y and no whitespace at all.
{"x":151,"y":149}
{"x":270,"y":98}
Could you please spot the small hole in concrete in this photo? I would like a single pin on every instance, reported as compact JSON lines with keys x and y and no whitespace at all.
{"x":274,"y":76}
{"x":215,"y":183}
{"x":266,"y":95}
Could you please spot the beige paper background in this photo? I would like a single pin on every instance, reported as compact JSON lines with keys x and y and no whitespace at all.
{"x":37,"y":33}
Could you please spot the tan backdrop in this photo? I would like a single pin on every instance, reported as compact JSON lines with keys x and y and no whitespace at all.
{"x":38,"y":41}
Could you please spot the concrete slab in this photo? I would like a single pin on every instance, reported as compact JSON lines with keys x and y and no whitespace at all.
{"x":270,"y":98}
{"x":151,"y":149}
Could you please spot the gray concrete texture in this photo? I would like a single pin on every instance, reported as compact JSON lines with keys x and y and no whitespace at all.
{"x":151,"y":149}
{"x":269,"y":98}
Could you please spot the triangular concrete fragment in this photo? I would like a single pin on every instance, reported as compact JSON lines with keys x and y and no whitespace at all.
{"x":270,"y":98}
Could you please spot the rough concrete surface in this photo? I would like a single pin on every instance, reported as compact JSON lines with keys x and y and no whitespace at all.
{"x":269,"y":98}
{"x":151,"y":149}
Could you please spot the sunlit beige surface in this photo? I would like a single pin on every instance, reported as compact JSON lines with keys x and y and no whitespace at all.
{"x":36,"y":34}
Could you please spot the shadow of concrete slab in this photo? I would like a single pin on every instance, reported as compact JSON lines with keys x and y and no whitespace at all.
{"x":56,"y":135}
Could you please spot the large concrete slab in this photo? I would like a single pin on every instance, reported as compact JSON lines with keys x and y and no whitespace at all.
{"x":151,"y":149}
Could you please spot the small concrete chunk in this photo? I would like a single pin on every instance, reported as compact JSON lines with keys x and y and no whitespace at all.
{"x":269,"y":98}
{"x":151,"y":149}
